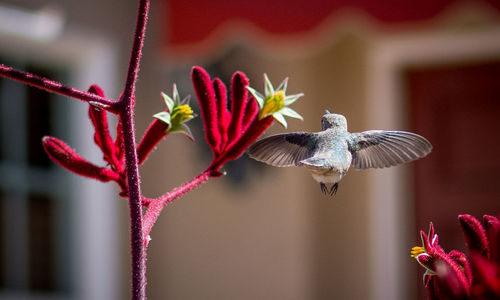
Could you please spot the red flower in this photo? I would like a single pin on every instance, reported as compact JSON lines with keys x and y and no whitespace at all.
{"x":454,"y":275}
{"x":112,"y":150}
{"x":228,"y":133}
{"x":62,"y":154}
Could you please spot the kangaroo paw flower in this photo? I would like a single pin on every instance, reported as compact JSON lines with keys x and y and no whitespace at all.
{"x":62,"y":154}
{"x":230,"y":133}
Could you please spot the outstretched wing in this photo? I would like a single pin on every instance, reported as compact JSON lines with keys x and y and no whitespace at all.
{"x":283,"y":150}
{"x":381,"y":149}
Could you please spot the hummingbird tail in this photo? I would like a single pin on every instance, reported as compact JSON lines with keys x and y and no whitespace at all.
{"x":324,"y":189}
{"x":332,"y":191}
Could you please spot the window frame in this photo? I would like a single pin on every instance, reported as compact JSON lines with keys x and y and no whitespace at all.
{"x":93,"y":207}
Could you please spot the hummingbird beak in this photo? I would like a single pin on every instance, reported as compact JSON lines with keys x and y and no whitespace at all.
{"x":327,"y":111}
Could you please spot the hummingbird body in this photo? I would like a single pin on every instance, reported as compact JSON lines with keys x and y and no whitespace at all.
{"x":329,"y":154}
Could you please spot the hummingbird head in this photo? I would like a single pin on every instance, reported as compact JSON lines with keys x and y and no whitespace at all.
{"x":333,"y":121}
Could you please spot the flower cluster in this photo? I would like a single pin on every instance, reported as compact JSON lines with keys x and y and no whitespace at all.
{"x":113,"y":150}
{"x":454,"y":275}
{"x":229,"y":133}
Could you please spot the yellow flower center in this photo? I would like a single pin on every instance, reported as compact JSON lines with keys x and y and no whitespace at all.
{"x":416,"y":251}
{"x":272,"y":104}
{"x":180,"y":114}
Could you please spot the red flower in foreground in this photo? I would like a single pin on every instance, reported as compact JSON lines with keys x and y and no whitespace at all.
{"x":454,"y":275}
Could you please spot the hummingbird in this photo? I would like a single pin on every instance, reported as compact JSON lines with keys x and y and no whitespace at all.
{"x":330,"y":153}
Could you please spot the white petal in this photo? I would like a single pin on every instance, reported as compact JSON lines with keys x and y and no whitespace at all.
{"x":279,"y":117}
{"x":291,"y":113}
{"x":176,"y":94}
{"x":168,"y":101}
{"x":292,"y":98}
{"x":258,"y":96}
{"x":185,"y":100}
{"x":283,"y":85}
{"x":269,"y":90}
{"x":163,"y":116}
{"x":186,"y":131}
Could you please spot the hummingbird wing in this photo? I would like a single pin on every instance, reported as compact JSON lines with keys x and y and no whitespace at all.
{"x":381,"y":149}
{"x":284,"y":150}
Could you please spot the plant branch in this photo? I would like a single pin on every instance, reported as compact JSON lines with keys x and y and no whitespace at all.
{"x":136,"y":53}
{"x":138,"y":254}
{"x":57,"y":87}
{"x":155,"y":206}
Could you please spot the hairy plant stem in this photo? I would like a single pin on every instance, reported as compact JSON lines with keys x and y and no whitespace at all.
{"x":155,"y":206}
{"x":138,"y":249}
{"x":57,"y":87}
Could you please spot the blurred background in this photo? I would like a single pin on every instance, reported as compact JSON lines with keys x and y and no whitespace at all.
{"x":432,"y":67}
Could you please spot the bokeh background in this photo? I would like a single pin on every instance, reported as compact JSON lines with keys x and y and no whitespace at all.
{"x":432,"y":67}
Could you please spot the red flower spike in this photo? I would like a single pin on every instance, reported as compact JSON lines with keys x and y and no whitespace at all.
{"x":62,"y":154}
{"x":156,"y":131}
{"x":238,"y":147}
{"x":475,"y":235}
{"x":452,"y":267}
{"x":432,"y":257}
{"x":208,"y":105}
{"x":95,"y":89}
{"x":457,"y":276}
{"x":239,"y":93}
{"x":255,"y":130}
{"x":431,"y":231}
{"x":430,"y":284}
{"x":251,"y":112}
{"x":120,"y":149}
{"x":461,"y":259}
{"x":486,"y":278}
{"x":491,"y":222}
{"x":102,"y":136}
{"x":428,"y":245}
{"x":448,"y":284}
{"x":426,"y":261}
{"x":228,"y":134}
{"x":492,"y":226}
{"x":222,"y":112}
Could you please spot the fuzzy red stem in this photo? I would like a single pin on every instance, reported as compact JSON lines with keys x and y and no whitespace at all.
{"x":57,"y":87}
{"x":138,"y":252}
{"x":236,"y":149}
{"x":155,"y":206}
{"x":153,"y":135}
